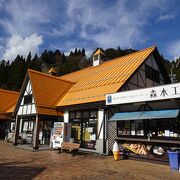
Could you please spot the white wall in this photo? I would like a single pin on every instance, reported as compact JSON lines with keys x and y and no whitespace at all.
{"x":66,"y":116}
{"x":100,"y":123}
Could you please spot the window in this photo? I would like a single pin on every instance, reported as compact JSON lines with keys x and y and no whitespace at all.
{"x":78,"y":114}
{"x":85,"y":114}
{"x":12,"y":127}
{"x":165,"y":128}
{"x":72,"y":115}
{"x":28,"y":126}
{"x":161,"y":128}
{"x":95,"y":57}
{"x":152,"y":73}
{"x":93,"y":114}
{"x":133,"y":128}
{"x":28,"y":99}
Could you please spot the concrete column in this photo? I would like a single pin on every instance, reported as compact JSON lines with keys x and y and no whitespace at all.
{"x":16,"y":130}
{"x":36,"y":136}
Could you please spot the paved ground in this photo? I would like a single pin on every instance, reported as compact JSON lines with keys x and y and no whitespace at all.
{"x":16,"y":163}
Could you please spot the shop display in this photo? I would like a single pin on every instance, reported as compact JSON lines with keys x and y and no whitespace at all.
{"x":147,"y":150}
{"x":136,"y":148}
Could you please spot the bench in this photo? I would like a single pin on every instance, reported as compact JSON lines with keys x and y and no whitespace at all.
{"x":72,"y":147}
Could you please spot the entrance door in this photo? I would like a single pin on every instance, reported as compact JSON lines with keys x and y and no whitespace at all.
{"x":84,"y":132}
{"x":76,"y":131}
{"x":89,"y":129}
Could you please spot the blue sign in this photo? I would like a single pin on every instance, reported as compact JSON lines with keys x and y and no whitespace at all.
{"x":109,"y":99}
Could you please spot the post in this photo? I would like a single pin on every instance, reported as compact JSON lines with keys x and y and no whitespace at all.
{"x":36,"y":137}
{"x":104,"y":131}
{"x":17,"y":123}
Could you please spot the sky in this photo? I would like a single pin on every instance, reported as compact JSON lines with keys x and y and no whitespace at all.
{"x":36,"y":25}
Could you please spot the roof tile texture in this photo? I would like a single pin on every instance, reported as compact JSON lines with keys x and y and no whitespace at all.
{"x":93,"y":83}
{"x":8,"y":100}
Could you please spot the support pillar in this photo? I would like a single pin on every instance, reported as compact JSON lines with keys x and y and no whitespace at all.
{"x":36,"y":136}
{"x":104,"y":131}
{"x":17,"y":124}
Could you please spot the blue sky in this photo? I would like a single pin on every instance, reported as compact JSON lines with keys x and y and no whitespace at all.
{"x":35,"y":25}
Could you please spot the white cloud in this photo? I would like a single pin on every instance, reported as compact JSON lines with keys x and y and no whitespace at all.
{"x":25,"y":17}
{"x":118,"y":24}
{"x":174,"y":49}
{"x":16,"y":44}
{"x":89,"y":24}
{"x":166,"y":17}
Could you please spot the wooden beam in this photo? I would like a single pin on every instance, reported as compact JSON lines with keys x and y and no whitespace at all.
{"x":139,"y":73}
{"x":36,"y":135}
{"x":17,"y":124}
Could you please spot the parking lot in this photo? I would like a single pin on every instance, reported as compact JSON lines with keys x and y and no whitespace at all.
{"x":17,"y":163}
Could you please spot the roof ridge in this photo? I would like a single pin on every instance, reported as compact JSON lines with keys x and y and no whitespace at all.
{"x":151,"y":47}
{"x":46,"y":75}
{"x":9,"y":91}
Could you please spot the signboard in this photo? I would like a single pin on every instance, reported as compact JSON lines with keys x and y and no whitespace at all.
{"x":58,"y":134}
{"x":58,"y":129}
{"x":170,"y":91}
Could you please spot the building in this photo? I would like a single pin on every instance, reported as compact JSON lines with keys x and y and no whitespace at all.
{"x":35,"y":111}
{"x":146,"y":121}
{"x":81,"y":96}
{"x":7,"y":105}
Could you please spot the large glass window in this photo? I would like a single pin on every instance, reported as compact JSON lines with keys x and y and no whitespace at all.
{"x":134,"y":128}
{"x":156,"y":128}
{"x":165,"y":128}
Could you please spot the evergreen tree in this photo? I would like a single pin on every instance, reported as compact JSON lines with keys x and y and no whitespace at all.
{"x":79,"y":52}
{"x":83,"y":52}
{"x":75,"y":52}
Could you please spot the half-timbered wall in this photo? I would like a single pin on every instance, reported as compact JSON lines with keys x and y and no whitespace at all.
{"x":27,"y":105}
{"x":139,"y":79}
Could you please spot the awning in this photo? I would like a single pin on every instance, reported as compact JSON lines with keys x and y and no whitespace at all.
{"x":121,"y":116}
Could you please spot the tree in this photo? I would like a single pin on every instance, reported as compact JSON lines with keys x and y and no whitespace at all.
{"x":83,"y":52}
{"x":17,"y":73}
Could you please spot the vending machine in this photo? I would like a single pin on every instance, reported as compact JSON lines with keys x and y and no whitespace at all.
{"x":61,"y":132}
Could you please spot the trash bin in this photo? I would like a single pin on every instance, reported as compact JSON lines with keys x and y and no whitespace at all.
{"x":174,"y":159}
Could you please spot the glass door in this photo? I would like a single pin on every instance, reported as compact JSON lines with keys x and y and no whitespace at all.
{"x":84,"y":128}
{"x":89,"y":134}
{"x":76,"y":132}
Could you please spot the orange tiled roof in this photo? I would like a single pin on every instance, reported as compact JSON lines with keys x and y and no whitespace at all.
{"x":47,"y":90}
{"x":8,"y":100}
{"x":93,"y":83}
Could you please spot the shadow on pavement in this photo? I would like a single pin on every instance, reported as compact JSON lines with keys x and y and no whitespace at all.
{"x":8,"y":171}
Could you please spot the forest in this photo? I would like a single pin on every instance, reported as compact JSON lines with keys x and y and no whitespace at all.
{"x":12,"y":73}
